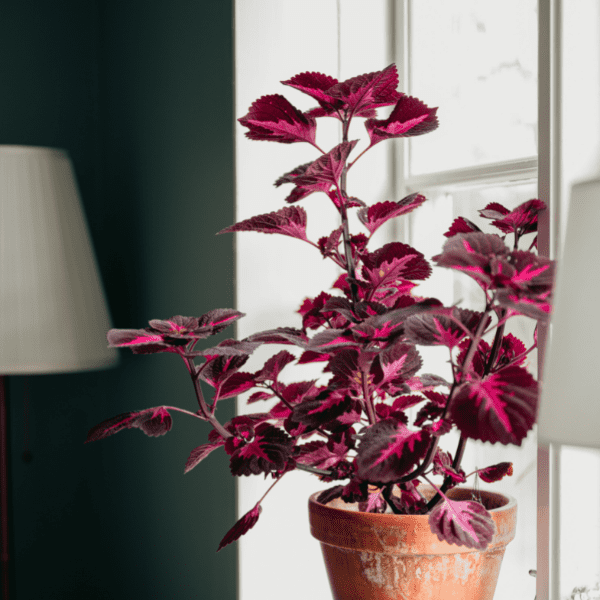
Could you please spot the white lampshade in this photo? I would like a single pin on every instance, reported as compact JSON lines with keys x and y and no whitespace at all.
{"x":53,"y":314}
{"x":570,"y":403}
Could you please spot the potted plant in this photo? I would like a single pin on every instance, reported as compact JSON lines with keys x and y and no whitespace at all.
{"x":372,"y":424}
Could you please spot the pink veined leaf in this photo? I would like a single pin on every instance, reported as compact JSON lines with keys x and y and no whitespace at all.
{"x":395,"y":259}
{"x":247,"y":522}
{"x":388,"y":450}
{"x":523,"y":218}
{"x":268,"y":451}
{"x":290,"y":221}
{"x":500,"y":408}
{"x":496,"y":472}
{"x":364,"y":93}
{"x":214,"y":321}
{"x":316,"y":86}
{"x":462,"y":522}
{"x":394,"y":366}
{"x":433,"y":329}
{"x":376,"y":215}
{"x":120,"y":338}
{"x":152,"y":421}
{"x":410,"y":117}
{"x":273,"y":118}
{"x":199,"y":453}
{"x":233,"y":385}
{"x":328,"y":245}
{"x":327,"y":169}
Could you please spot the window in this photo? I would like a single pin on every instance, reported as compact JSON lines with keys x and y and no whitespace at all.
{"x":478,"y":61}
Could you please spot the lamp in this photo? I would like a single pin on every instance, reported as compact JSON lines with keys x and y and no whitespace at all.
{"x":53,"y":315}
{"x":570,"y":403}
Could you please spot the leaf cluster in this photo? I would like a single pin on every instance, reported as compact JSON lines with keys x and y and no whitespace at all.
{"x":373,"y":422}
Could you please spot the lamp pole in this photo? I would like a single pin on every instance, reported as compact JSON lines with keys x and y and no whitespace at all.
{"x":5,"y":547}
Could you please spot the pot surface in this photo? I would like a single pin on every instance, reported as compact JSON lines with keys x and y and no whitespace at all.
{"x":397,"y":557}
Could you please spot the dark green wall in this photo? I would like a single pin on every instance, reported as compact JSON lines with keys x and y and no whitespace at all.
{"x":141,"y":95}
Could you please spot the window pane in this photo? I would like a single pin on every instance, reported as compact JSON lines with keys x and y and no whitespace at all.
{"x":479,"y":65}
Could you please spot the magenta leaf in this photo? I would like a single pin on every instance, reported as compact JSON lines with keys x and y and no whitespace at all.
{"x":328,"y":245}
{"x":324,"y":172}
{"x":395,"y":365}
{"x":500,"y":408}
{"x":364,"y":93}
{"x":214,"y":321}
{"x":152,"y":421}
{"x":234,"y":384}
{"x":494,"y":210}
{"x":461,"y":225}
{"x":410,"y":117}
{"x":199,"y":453}
{"x":273,"y":118}
{"x":523,"y":219}
{"x":388,"y":450}
{"x":247,"y":522}
{"x":442,"y":465}
{"x":376,"y":215}
{"x":496,"y":472}
{"x":290,"y":220}
{"x":141,"y":341}
{"x":316,"y":86}
{"x":462,"y":522}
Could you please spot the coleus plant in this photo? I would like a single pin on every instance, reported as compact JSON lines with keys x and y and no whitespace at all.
{"x":353,"y":427}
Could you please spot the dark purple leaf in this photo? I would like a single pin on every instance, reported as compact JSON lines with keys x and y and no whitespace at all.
{"x":501,"y":407}
{"x":273,"y":366}
{"x":199,"y":453}
{"x":273,"y":118}
{"x":442,"y":465}
{"x":290,"y":220}
{"x":268,"y":451}
{"x":280,"y":335}
{"x":410,"y":117}
{"x":377,"y":214}
{"x":327,"y":496}
{"x":388,"y":450}
{"x":461,"y":225}
{"x":464,"y":523}
{"x":234,"y":384}
{"x":496,"y":472}
{"x":215,"y":321}
{"x":152,"y":421}
{"x":437,"y":329}
{"x":247,"y":522}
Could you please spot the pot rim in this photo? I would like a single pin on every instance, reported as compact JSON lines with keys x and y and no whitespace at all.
{"x":401,"y":534}
{"x":511,"y":502}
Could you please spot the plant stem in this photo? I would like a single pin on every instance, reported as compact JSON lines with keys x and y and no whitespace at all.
{"x":204,"y":409}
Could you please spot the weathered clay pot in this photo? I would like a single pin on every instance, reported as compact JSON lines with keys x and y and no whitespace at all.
{"x":396,"y":557}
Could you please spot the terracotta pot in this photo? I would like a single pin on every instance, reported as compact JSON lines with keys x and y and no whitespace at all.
{"x":396,"y":557}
